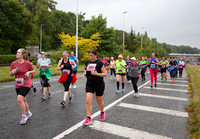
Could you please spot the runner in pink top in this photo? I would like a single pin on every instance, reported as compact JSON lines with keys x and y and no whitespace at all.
{"x":22,"y":69}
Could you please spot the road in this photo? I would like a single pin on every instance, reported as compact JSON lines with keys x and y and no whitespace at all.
{"x":157,"y":113}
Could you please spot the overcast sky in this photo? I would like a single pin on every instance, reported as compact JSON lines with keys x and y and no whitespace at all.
{"x":172,"y":21}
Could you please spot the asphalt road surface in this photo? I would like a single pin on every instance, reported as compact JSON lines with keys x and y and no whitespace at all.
{"x":157,"y":113}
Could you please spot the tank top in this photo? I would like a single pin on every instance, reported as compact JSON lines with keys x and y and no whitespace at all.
{"x":153,"y":65}
{"x":112,"y":64}
{"x":163,"y":64}
{"x":67,"y":69}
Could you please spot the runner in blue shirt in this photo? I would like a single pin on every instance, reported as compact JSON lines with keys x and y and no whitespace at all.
{"x":75,"y":59}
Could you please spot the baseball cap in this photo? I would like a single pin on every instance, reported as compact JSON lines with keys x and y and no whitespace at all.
{"x":133,"y":58}
{"x":43,"y":53}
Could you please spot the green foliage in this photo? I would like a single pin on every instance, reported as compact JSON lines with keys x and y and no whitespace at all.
{"x":55,"y":56}
{"x":7,"y":58}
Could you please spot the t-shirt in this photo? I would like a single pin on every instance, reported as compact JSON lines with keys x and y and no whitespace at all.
{"x":75,"y":59}
{"x":173,"y":64}
{"x":20,"y":76}
{"x":44,"y":64}
{"x":119,"y":68}
{"x":143,"y":64}
{"x":90,"y":66}
{"x":163,"y":64}
{"x":104,"y":62}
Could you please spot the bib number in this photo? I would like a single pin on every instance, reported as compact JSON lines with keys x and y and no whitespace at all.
{"x":112,"y":66}
{"x":19,"y":82}
{"x":163,"y":66}
{"x":65,"y":71}
{"x":91,"y":67}
{"x":153,"y":66}
{"x":120,"y":70}
{"x":44,"y":66}
{"x":143,"y":67}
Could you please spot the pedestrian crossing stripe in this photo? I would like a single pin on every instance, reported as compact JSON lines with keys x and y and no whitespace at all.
{"x":182,"y":85}
{"x":154,"y":109}
{"x":179,"y":90}
{"x":124,"y":131}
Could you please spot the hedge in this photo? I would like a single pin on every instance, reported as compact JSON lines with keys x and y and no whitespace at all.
{"x":5,"y":59}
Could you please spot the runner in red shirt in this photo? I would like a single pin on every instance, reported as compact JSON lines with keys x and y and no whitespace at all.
{"x":22,"y":69}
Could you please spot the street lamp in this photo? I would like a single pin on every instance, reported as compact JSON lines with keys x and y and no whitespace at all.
{"x":41,"y":37}
{"x":141,"y":38}
{"x":123,"y":31}
{"x":77,"y":29}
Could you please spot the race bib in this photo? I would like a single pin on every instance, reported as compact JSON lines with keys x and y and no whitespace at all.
{"x":19,"y":82}
{"x":153,"y":66}
{"x":143,"y":67}
{"x":120,"y":70}
{"x":181,"y":66}
{"x":112,"y":66}
{"x":91,"y":67}
{"x":44,"y":66}
{"x":163,"y":66}
{"x":66,"y":71}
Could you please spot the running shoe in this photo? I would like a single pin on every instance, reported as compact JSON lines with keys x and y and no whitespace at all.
{"x":34,"y":88}
{"x":87,"y":121}
{"x":28,"y":114}
{"x":43,"y":97}
{"x":171,"y":81}
{"x":155,"y":85}
{"x":71,"y":98}
{"x":117,"y":91}
{"x":174,"y":81}
{"x":49,"y":95}
{"x":110,"y":78}
{"x":23,"y":120}
{"x":122,"y":90}
{"x":62,"y":103}
{"x":102,"y":116}
{"x":137,"y":95}
{"x":74,"y":86}
{"x":129,"y":81}
{"x":151,"y":86}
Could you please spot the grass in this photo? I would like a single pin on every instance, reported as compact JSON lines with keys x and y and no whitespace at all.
{"x":193,"y":73}
{"x":5,"y":72}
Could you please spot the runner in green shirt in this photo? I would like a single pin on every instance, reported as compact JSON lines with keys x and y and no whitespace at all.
{"x":143,"y":64}
{"x":163,"y":65}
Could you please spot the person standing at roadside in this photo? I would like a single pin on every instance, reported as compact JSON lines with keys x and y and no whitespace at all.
{"x":74,"y":71}
{"x":120,"y":68}
{"x":134,"y":74}
{"x":45,"y":74}
{"x":22,"y":69}
{"x":94,"y":71}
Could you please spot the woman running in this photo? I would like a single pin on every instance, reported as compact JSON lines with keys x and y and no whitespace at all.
{"x":45,"y":74}
{"x":112,"y":68}
{"x":94,"y":71}
{"x":181,"y":66}
{"x":154,"y":69}
{"x":134,"y":74}
{"x":143,"y":64}
{"x":22,"y":69}
{"x":163,"y":65}
{"x":173,"y":64}
{"x":66,"y":65}
{"x":120,"y":68}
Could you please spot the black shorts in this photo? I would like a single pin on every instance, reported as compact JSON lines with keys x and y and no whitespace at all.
{"x":45,"y":82}
{"x":22,"y":91}
{"x":74,"y":72}
{"x":122,"y":74}
{"x":67,"y":83}
{"x":98,"y":89}
{"x":162,"y":70}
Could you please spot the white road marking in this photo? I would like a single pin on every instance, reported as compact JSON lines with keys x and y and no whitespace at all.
{"x":68,"y":131}
{"x":154,"y":109}
{"x":164,"y":97}
{"x":156,"y":88}
{"x":184,"y":85}
{"x":175,"y":80}
{"x":124,"y":131}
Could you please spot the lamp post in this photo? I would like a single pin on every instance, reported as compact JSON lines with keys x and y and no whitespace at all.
{"x":77,"y":29}
{"x":123,"y":30}
{"x":41,"y":37}
{"x":141,"y":38}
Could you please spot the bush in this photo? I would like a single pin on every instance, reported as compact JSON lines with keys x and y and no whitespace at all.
{"x":55,"y":56}
{"x":5,"y":59}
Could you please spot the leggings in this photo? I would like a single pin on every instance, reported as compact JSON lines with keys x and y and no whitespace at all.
{"x":153,"y":73}
{"x":112,"y":71}
{"x":180,"y":72}
{"x":143,"y":74}
{"x":134,"y":81}
{"x":67,"y":83}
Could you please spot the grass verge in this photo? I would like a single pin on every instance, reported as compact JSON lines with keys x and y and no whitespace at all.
{"x":193,"y":77}
{"x":5,"y":72}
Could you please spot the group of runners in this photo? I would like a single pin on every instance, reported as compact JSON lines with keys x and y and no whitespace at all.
{"x":94,"y":72}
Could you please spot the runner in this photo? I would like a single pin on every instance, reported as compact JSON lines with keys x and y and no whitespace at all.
{"x":177,"y":68}
{"x":163,"y":65}
{"x":67,"y":77}
{"x":153,"y":69}
{"x":94,"y":71}
{"x":172,"y":69}
{"x":22,"y":69}
{"x":134,"y":74}
{"x":128,"y":61}
{"x":120,"y":68}
{"x":112,"y":68}
{"x":45,"y":74}
{"x":148,"y":65}
{"x":181,"y":66}
{"x":74,"y":71}
{"x":143,"y":64}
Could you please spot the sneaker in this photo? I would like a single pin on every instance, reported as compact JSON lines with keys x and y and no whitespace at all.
{"x":102,"y":116}
{"x":122,"y":90}
{"x":137,"y":95}
{"x":171,"y":81}
{"x":62,"y":103}
{"x":117,"y":91}
{"x":134,"y":94}
{"x":74,"y":86}
{"x":28,"y":114}
{"x":34,"y":88}
{"x":23,"y":120}
{"x":87,"y":122}
{"x":110,"y":78}
{"x":43,"y":97}
{"x":129,"y":81}
{"x":151,"y":86}
{"x":49,"y":95}
{"x":155,"y":85}
{"x":174,"y":81}
{"x":71,"y":98}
